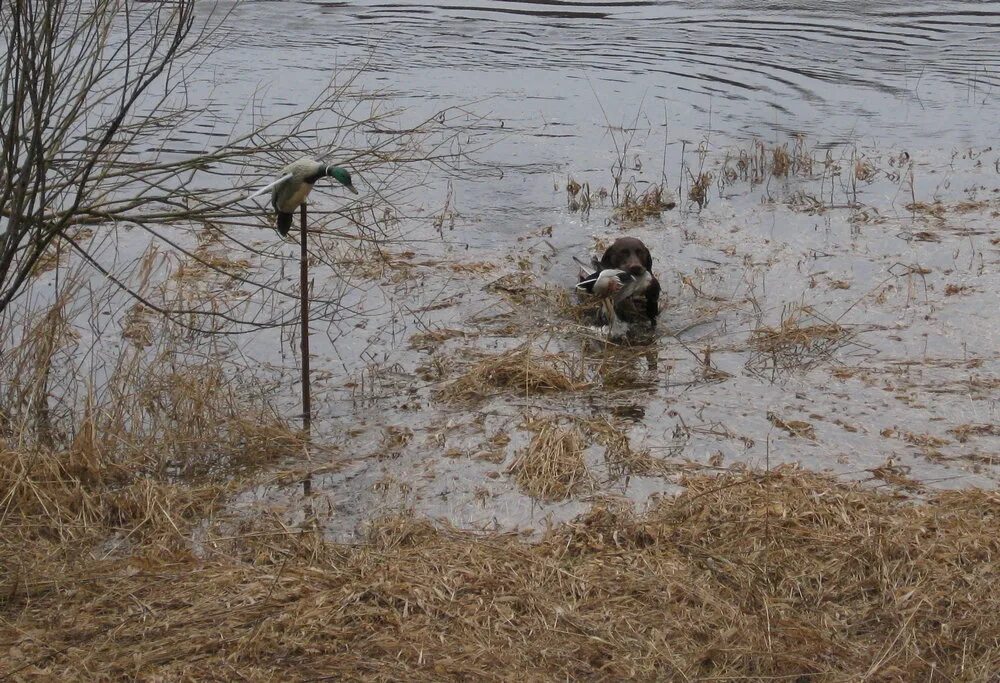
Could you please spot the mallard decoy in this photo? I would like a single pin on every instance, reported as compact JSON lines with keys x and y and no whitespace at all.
{"x":604,"y":283}
{"x":296,"y":182}
{"x":611,"y":285}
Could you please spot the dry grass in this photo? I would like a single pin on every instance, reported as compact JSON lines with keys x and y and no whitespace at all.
{"x":180,"y":424}
{"x":796,"y":428}
{"x":473,"y":267}
{"x":698,"y":193}
{"x":964,"y":432}
{"x":56,"y":253}
{"x":933,"y":209}
{"x":429,"y":340}
{"x":802,"y":338}
{"x":789,"y":576}
{"x":518,"y":288}
{"x":161,"y":440}
{"x":622,"y":459}
{"x":864,"y":170}
{"x":137,"y":326}
{"x":523,"y":370}
{"x":635,"y":207}
{"x":759,"y":162}
{"x":210,"y":263}
{"x":551,"y":467}
{"x":781,"y":161}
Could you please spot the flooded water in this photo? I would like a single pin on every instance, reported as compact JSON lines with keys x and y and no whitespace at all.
{"x":843,"y":71}
{"x":889,"y":239}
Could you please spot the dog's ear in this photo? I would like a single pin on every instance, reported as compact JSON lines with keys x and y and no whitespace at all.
{"x":608,"y":260}
{"x":647,"y":259}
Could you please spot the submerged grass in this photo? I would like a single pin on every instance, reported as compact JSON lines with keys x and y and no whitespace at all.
{"x":551,"y":467}
{"x":786,"y":575}
{"x":636,"y":207}
{"x":622,"y":459}
{"x":118,"y":560}
{"x":802,"y":337}
{"x":523,"y":370}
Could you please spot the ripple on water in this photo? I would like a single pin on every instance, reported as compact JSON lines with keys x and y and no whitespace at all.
{"x":845,"y":59}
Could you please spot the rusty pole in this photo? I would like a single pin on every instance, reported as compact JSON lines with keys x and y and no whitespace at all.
{"x":304,"y":315}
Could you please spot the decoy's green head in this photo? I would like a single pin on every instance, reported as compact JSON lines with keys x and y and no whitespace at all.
{"x":341,"y":176}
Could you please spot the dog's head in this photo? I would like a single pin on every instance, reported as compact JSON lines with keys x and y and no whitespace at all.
{"x":628,"y":254}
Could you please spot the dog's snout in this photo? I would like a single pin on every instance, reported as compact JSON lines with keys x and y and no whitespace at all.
{"x":636,"y":269}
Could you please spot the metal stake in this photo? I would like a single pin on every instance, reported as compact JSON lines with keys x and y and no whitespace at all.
{"x":304,"y":315}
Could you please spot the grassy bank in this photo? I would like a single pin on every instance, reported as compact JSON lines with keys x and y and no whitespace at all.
{"x":787,"y":575}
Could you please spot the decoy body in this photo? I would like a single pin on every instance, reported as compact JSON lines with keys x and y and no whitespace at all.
{"x":296,"y":182}
{"x":605,"y":282}
{"x":612,"y":286}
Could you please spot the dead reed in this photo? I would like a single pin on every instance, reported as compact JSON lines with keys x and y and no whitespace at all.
{"x":621,"y":458}
{"x":758,"y":162}
{"x":139,"y":457}
{"x":698,"y":193}
{"x":523,"y":371}
{"x":432,"y":339}
{"x":802,"y":338}
{"x":551,"y":467}
{"x":790,"y":576}
{"x":636,"y":207}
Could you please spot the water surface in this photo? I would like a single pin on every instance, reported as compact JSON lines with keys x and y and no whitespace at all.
{"x":563,"y":88}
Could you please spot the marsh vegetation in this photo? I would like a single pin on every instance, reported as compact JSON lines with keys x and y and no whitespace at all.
{"x":793,"y":475}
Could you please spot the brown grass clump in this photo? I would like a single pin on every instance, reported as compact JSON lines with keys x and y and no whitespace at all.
{"x":551,"y":467}
{"x":474,"y":267}
{"x":522,"y":370}
{"x":781,"y":161}
{"x":698,"y":193}
{"x":934,"y":209}
{"x":953,"y":289}
{"x":137,"y":326}
{"x":792,"y":576}
{"x":209,"y":264}
{"x":635,"y":207}
{"x":964,"y":431}
{"x":797,"y":428}
{"x":623,"y":460}
{"x":518,"y":287}
{"x":864,"y":170}
{"x":429,"y":340}
{"x":802,"y":338}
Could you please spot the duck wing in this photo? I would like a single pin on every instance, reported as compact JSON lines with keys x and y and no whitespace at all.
{"x":287,"y":176}
{"x":587,"y":282}
{"x":599,"y":282}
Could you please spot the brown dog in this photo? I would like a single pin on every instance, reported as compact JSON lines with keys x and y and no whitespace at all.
{"x":632,"y":256}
